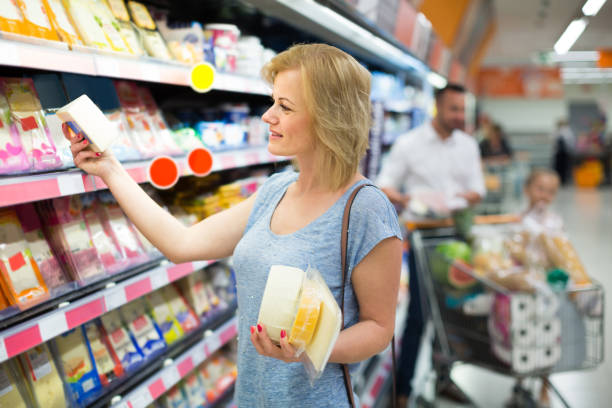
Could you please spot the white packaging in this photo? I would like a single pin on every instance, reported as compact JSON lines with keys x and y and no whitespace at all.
{"x":548,"y":332}
{"x":524,"y":335}
{"x":522,"y":308}
{"x":82,"y":115}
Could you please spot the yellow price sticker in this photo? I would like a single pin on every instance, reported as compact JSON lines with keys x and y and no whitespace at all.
{"x":202,"y":77}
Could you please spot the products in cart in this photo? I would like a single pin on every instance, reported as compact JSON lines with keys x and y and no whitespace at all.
{"x":123,"y":344}
{"x":21,"y":280}
{"x":43,"y":378}
{"x":78,"y":366}
{"x":28,"y":117}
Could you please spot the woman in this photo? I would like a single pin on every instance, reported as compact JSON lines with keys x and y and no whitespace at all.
{"x":321,"y":116}
{"x":495,"y":149}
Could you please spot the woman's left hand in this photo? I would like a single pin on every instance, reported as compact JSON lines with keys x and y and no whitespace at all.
{"x":264,"y":346}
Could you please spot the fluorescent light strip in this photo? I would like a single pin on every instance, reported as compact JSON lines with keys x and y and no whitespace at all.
{"x":570,"y":35}
{"x":592,"y":7}
{"x":576,"y":56}
{"x":354,"y":33}
{"x":436,"y":80}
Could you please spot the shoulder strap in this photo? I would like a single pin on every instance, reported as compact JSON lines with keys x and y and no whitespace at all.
{"x":344,"y":254}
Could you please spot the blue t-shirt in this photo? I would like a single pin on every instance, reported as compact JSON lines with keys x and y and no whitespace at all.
{"x":268,"y":382}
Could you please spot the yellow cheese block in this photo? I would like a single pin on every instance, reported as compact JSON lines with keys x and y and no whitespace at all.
{"x":46,"y":384}
{"x":306,"y":317}
{"x":328,"y":328}
{"x":61,"y":23}
{"x":280,"y":300}
{"x":10,"y":395}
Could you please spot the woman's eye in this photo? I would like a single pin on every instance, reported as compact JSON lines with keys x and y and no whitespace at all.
{"x":284,"y":108}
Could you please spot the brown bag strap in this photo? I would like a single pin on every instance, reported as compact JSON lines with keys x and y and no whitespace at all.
{"x":344,"y":254}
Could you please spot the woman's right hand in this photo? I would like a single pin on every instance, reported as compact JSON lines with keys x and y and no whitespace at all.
{"x":96,"y":164}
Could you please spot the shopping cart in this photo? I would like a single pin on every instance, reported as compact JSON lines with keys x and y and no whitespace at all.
{"x":523,"y":335}
{"x":504,"y":185}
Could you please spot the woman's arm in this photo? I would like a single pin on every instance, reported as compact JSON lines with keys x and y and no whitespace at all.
{"x":214,"y":237}
{"x":375,"y":282}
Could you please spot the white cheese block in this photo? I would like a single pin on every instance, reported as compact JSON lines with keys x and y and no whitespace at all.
{"x":89,"y":119}
{"x":280,"y":300}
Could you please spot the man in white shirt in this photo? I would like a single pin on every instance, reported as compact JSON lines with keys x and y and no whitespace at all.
{"x":439,"y":158}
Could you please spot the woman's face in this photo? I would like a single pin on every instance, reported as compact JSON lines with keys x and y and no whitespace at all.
{"x":290,"y":123}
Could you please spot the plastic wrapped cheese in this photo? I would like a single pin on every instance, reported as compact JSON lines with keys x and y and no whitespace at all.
{"x":121,"y":342}
{"x":183,"y":313}
{"x":12,"y":395}
{"x":45,"y":382}
{"x":35,"y":16}
{"x":128,"y":32}
{"x":108,"y":24}
{"x":11,"y":18}
{"x":61,"y":23}
{"x":83,"y":20}
{"x":107,"y":362}
{"x":163,"y":316}
{"x":146,"y":332}
{"x":306,"y":317}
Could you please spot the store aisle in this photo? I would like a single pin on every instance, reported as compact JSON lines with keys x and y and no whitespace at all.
{"x":588,"y":220}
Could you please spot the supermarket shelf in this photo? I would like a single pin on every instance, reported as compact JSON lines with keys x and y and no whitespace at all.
{"x":28,"y":52}
{"x":225,"y":399}
{"x":32,"y":332}
{"x":162,"y":380}
{"x":375,"y":385}
{"x":34,"y":187}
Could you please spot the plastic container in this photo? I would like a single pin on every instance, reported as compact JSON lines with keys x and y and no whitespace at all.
{"x":225,"y":42}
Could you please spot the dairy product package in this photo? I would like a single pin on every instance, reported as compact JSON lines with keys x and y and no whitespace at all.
{"x":107,"y":362}
{"x":11,"y":18}
{"x":163,"y":316}
{"x":55,"y":278}
{"x":194,"y":290}
{"x":108,"y":24}
{"x":43,"y":377}
{"x":21,"y":279}
{"x":12,"y":156}
{"x":160,"y":128}
{"x":194,"y":390}
{"x":13,"y":393}
{"x":179,"y":308}
{"x":29,"y":119}
{"x":301,"y":304}
{"x":145,"y":331}
{"x":37,"y":20}
{"x":67,"y":234}
{"x":127,"y":30}
{"x":79,"y":368}
{"x":121,"y":342}
{"x":61,"y":23}
{"x":83,"y":116}
{"x":83,"y":20}
{"x":153,"y":42}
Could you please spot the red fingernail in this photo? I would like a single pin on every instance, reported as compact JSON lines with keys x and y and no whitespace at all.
{"x":84,"y":141}
{"x":252,"y":329}
{"x":98,"y":154}
{"x":259,"y":328}
{"x":283,"y":334}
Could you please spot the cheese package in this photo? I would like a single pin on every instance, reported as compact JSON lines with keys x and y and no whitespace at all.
{"x":83,"y":116}
{"x":108,"y":24}
{"x":4,"y":303}
{"x":45,"y":383}
{"x":146,"y":333}
{"x":37,"y":20}
{"x":28,"y":117}
{"x":69,"y":238}
{"x":56,"y":280}
{"x":121,"y":342}
{"x":61,"y":23}
{"x":107,"y":362}
{"x":169,"y":326}
{"x":194,"y":290}
{"x":11,"y":19}
{"x":153,"y":42}
{"x":12,"y":391}
{"x":194,"y":391}
{"x":12,"y":156}
{"x":21,"y":280}
{"x":301,"y":304}
{"x":176,"y":398}
{"x":83,"y":21}
{"x":179,"y":307}
{"x":78,"y":367}
{"x":128,"y":32}
{"x":162,"y":133}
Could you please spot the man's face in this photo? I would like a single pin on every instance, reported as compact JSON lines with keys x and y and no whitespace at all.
{"x":451,"y":110}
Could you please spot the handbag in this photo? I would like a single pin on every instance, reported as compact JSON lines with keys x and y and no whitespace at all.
{"x":343,"y":253}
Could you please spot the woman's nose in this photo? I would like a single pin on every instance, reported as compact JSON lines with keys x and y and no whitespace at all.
{"x":269,"y":117}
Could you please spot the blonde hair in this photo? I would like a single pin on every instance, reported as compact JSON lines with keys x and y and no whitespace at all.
{"x":536,"y":173}
{"x":337,"y":94}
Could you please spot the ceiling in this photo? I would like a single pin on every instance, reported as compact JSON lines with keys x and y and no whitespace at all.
{"x":526,"y":27}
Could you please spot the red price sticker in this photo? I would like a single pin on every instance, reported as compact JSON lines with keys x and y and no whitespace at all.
{"x":163,"y":172}
{"x":29,"y":123}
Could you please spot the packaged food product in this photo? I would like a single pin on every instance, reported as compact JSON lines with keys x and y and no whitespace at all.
{"x":146,"y":333}
{"x":50,"y":269}
{"x":140,"y":15}
{"x":162,"y":132}
{"x":194,"y":391}
{"x":192,"y":287}
{"x":83,"y":116}
{"x":562,"y":255}
{"x":61,"y":23}
{"x":84,"y":22}
{"x":12,"y":393}
{"x":21,"y":279}
{"x":126,"y":29}
{"x":11,"y":19}
{"x":153,"y":42}
{"x":52,"y":97}
{"x":179,"y":308}
{"x":225,"y":40}
{"x":4,"y":303}
{"x":79,"y":370}
{"x":176,"y":398}
{"x":108,"y":24}
{"x":106,"y":360}
{"x":121,"y":342}
{"x":29,"y":119}
{"x":45,"y":382}
{"x":163,"y":316}
{"x":67,"y":233}
{"x":35,"y":16}
{"x":290,"y":302}
{"x":12,"y":156}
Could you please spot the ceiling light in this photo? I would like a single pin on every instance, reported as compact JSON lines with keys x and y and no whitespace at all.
{"x":570,"y":35}
{"x":576,"y":56}
{"x":591,"y":7}
{"x":436,"y":80}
